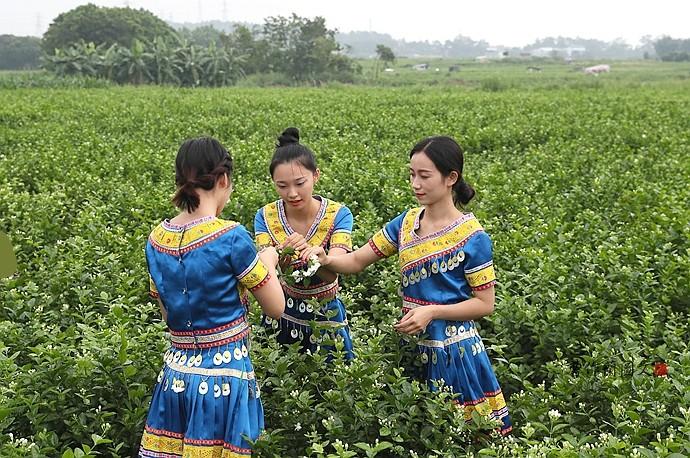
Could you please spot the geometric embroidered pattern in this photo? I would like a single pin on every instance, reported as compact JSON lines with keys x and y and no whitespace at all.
{"x":254,"y":276}
{"x":221,"y":335}
{"x":177,"y":240}
{"x":415,"y":250}
{"x":159,"y":443}
{"x":493,"y":406}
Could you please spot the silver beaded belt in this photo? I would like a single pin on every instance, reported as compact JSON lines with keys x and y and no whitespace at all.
{"x":206,"y":338}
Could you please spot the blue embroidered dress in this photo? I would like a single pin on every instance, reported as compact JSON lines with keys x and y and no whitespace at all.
{"x":206,"y":398}
{"x":331,"y":228}
{"x":445,"y":267}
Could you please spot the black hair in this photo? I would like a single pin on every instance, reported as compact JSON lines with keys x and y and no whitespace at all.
{"x":199,"y":163}
{"x":288,"y":149}
{"x":446,"y":155}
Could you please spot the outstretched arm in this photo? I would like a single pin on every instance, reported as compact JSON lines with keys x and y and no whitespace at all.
{"x":350,"y":263}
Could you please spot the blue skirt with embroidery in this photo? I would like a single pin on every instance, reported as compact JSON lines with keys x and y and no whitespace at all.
{"x":206,"y":399}
{"x":453,"y":355}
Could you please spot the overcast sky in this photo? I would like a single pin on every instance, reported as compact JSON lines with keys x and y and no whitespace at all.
{"x":500,"y":22}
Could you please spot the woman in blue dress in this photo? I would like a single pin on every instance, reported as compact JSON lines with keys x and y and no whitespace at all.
{"x":298,"y":220}
{"x":447,"y":278}
{"x":206,"y":401}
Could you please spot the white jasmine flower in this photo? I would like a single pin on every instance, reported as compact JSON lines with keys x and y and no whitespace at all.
{"x":554,"y":414}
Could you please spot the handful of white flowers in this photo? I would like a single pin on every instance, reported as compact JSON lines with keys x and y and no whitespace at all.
{"x":312,"y":266}
{"x":288,"y":270}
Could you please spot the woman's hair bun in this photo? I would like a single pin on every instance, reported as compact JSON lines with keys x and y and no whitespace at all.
{"x":289,"y":136}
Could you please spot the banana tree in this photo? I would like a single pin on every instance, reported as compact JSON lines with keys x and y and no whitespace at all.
{"x":190,"y":57}
{"x":134,"y":64}
{"x":215,"y":64}
{"x":166,"y":64}
{"x":78,"y":59}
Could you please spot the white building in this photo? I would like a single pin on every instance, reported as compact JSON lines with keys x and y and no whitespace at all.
{"x":569,"y":52}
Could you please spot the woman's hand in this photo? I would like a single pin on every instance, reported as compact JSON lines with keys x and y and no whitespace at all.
{"x":295,"y":241}
{"x":318,"y":251}
{"x":416,"y":320}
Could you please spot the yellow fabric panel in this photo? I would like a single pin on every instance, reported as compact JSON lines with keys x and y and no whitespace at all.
{"x":173,"y":240}
{"x":481,"y":277}
{"x":342,"y":240}
{"x":325,"y":225}
{"x":273,"y":223}
{"x":171,"y":445}
{"x":426,"y":248}
{"x":484,"y":408}
{"x":255,"y":277}
{"x":382,"y":244}
{"x":153,"y":291}
{"x":162,"y":444}
{"x":263,"y":239}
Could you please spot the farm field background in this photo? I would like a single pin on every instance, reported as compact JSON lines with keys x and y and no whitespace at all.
{"x":582,"y":184}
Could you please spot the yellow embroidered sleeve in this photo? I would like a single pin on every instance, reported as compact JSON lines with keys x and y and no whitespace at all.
{"x":381,"y":245}
{"x":482,"y":277}
{"x":255,"y":276}
{"x":263,"y":239}
{"x":341,"y":239}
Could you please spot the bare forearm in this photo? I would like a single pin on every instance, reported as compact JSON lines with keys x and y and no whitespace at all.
{"x":471,"y":309}
{"x":417,"y":319}
{"x":352,"y":263}
{"x":326,"y":274}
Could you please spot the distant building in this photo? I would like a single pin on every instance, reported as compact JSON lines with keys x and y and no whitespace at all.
{"x":421,"y":67}
{"x":568,"y":52}
{"x":494,"y":53}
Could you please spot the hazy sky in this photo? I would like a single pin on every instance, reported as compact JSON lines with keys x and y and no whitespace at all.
{"x":500,"y":22}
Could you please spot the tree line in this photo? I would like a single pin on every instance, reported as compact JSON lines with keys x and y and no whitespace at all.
{"x":134,"y":46}
{"x":670,"y":49}
{"x":18,"y":53}
{"x":129,"y":45}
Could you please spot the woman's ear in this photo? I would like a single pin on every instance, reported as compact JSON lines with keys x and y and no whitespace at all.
{"x":452,"y":178}
{"x":224,"y":181}
{"x":317,"y":175}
